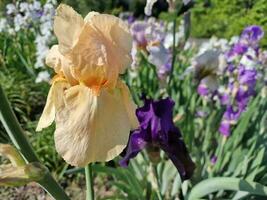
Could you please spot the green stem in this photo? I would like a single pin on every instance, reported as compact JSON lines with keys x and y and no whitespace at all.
{"x":19,"y":139}
{"x":173,"y":50}
{"x":89,"y":183}
{"x":155,"y":172}
{"x":14,"y":130}
{"x":218,"y":164}
{"x":52,"y":187}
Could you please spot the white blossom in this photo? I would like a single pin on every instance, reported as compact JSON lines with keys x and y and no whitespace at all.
{"x":43,"y":76}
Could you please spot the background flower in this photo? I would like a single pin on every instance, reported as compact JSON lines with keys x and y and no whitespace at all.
{"x":158,"y":130}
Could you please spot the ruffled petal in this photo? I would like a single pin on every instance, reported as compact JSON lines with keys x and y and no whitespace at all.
{"x":67,"y":27}
{"x":117,"y":32}
{"x":54,"y":100}
{"x":90,"y":59}
{"x":101,"y":51}
{"x":91,"y":128}
{"x":60,"y":64}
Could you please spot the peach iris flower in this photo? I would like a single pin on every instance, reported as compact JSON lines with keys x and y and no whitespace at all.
{"x":91,"y":106}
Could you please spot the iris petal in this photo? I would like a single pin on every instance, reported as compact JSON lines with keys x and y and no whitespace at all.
{"x":60,"y":64}
{"x":136,"y":144}
{"x":158,"y":130}
{"x":117,"y":32}
{"x":177,"y":152}
{"x":91,"y":128}
{"x":67,"y":27}
{"x":129,"y":104}
{"x":54,"y":100}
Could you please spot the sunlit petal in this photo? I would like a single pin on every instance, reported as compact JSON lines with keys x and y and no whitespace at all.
{"x":67,"y":27}
{"x":54,"y":100}
{"x":91,"y":128}
{"x":101,"y":51}
{"x":129,"y":104}
{"x":89,"y":58}
{"x":60,"y":64}
{"x":117,"y":32}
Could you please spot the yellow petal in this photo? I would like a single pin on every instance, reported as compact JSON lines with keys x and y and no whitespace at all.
{"x":91,"y":128}
{"x":53,"y":102}
{"x":21,"y":175}
{"x":129,"y":104}
{"x":12,"y":154}
{"x":60,"y":64}
{"x":116,"y":31}
{"x":53,"y":59}
{"x":102,"y":50}
{"x":67,"y":27}
{"x":90,"y":59}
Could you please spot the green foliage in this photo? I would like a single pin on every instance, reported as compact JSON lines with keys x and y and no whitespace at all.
{"x":226,"y":18}
{"x":242,"y":156}
{"x":85,"y":6}
{"x":27,"y":98}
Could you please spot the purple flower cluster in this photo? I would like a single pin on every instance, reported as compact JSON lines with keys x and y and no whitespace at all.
{"x":150,"y":36}
{"x":157,"y":130}
{"x":242,"y":61}
{"x":231,"y":77}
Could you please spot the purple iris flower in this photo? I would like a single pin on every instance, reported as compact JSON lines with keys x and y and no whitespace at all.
{"x":230,"y":116}
{"x":202,"y":89}
{"x":252,"y":34}
{"x":250,"y":37}
{"x":243,"y":59}
{"x":213,"y":160}
{"x":247,"y":76}
{"x":158,"y":130}
{"x":138,"y":29}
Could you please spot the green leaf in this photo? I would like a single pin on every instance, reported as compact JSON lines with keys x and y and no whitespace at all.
{"x":211,"y":185}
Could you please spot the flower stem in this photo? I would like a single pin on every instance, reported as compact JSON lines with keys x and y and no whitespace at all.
{"x":19,"y":139}
{"x":173,"y":51}
{"x":155,"y":172}
{"x":14,"y":130}
{"x":89,"y":182}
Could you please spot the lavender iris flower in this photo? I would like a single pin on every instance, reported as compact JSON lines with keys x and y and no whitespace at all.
{"x":213,"y":160}
{"x":243,"y":59}
{"x":249,"y":38}
{"x":252,"y":35}
{"x":158,"y":130}
{"x":150,"y":36}
{"x":232,"y":84}
{"x":161,"y":58}
{"x":230,"y":117}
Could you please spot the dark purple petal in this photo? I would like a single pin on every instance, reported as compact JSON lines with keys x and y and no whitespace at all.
{"x":156,"y":118}
{"x":158,"y":130}
{"x":135,"y":144}
{"x":177,"y":152}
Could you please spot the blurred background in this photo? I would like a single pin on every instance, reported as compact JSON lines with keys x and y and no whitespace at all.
{"x":26,"y":34}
